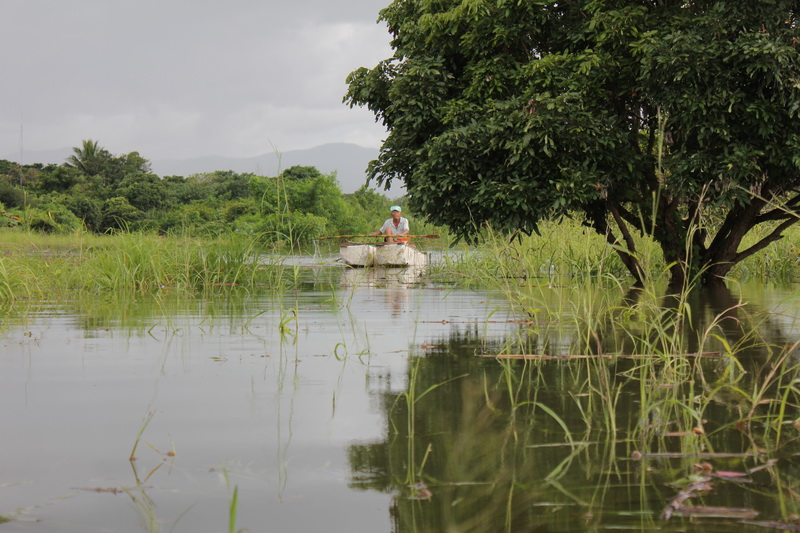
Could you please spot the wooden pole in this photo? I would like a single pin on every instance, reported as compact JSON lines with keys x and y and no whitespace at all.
{"x":381,"y":236}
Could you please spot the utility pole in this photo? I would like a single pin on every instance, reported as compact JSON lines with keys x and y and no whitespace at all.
{"x":21,"y":147}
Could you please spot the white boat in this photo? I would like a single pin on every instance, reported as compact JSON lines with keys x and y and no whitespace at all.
{"x":357,"y":254}
{"x":382,"y":254}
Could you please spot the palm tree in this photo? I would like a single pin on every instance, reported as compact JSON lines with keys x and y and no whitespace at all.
{"x":90,"y":158}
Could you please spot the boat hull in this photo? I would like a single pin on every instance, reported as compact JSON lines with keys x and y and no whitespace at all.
{"x":358,"y":254}
{"x":389,"y":254}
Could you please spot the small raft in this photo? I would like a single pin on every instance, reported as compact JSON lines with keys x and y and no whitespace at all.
{"x":382,"y":254}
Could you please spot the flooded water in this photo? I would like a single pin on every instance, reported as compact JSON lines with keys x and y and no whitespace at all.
{"x":364,"y":405}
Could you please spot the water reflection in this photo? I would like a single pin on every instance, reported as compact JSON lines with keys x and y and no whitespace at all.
{"x":361,"y":402}
{"x":476,"y":444}
{"x":390,"y":278}
{"x":396,"y":282}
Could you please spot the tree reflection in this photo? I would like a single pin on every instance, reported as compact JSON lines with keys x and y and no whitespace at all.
{"x":476,"y":441}
{"x":584,"y":444}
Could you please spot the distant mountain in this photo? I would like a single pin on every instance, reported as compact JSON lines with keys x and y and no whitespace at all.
{"x":349,"y":161}
{"x":46,"y":157}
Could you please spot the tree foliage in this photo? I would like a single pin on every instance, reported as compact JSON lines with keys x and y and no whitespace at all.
{"x":676,"y":119}
{"x":306,"y":204}
{"x":118,"y":213}
{"x":90,"y":158}
{"x":101,"y":192}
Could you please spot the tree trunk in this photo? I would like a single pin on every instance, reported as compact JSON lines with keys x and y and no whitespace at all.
{"x":722,"y":254}
{"x":714,"y":275}
{"x":678,"y":277}
{"x":692,"y":262}
{"x":596,"y":219}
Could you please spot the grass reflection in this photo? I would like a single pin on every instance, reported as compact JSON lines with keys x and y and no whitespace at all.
{"x":637,"y":404}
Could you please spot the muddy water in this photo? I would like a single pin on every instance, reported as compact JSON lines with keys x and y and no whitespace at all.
{"x":362,"y":404}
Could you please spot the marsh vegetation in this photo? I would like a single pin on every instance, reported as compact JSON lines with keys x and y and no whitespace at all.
{"x":514,"y":385}
{"x":619,"y":350}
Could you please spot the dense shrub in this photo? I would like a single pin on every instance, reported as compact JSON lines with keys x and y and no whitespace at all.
{"x":51,"y":218}
{"x":118,"y":213}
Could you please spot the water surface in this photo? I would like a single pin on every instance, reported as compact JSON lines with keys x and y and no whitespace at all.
{"x":358,"y":405}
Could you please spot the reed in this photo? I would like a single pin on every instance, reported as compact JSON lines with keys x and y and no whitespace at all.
{"x":410,"y":398}
{"x":233,"y":510}
{"x":42,"y":266}
{"x":778,"y":262}
{"x":676,"y":386}
{"x":564,"y":252}
{"x":148,"y":417}
{"x":16,"y":240}
{"x":567,"y":253}
{"x":288,"y":317}
{"x":669,"y":375}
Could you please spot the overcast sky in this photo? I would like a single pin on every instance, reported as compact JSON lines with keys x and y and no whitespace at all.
{"x":185,"y":78}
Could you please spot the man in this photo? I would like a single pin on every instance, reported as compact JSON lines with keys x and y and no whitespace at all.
{"x":394,"y":227}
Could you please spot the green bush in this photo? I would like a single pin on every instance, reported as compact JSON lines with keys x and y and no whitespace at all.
{"x":87,"y":209}
{"x":118,"y":213}
{"x":51,"y":218}
{"x":11,"y":195}
{"x":293,"y":228}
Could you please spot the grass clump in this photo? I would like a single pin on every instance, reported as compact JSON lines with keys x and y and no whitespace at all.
{"x":778,"y":262}
{"x":567,"y":253}
{"x":34,"y":265}
{"x":564,"y":252}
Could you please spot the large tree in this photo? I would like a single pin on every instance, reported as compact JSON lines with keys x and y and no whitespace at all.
{"x":90,"y":158}
{"x":95,"y":161}
{"x":673,"y":118}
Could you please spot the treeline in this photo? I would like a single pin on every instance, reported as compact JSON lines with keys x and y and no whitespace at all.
{"x":103,"y":193}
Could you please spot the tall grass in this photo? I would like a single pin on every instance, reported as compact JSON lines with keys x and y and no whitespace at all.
{"x":778,"y":262}
{"x":684,"y":355}
{"x":567,"y":253}
{"x":34,"y":265}
{"x":688,"y":360}
{"x":564,"y":252}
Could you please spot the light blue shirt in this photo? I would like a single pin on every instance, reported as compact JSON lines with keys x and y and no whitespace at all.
{"x":401,"y":226}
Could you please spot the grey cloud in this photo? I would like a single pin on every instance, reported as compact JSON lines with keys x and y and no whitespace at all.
{"x":176,"y":76}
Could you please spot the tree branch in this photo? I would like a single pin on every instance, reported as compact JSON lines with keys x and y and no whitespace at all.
{"x":629,"y":217}
{"x":627,"y":255}
{"x":597,"y":219}
{"x":626,"y":234}
{"x":766,"y":241}
{"x":780,"y":213}
{"x":735,"y":218}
